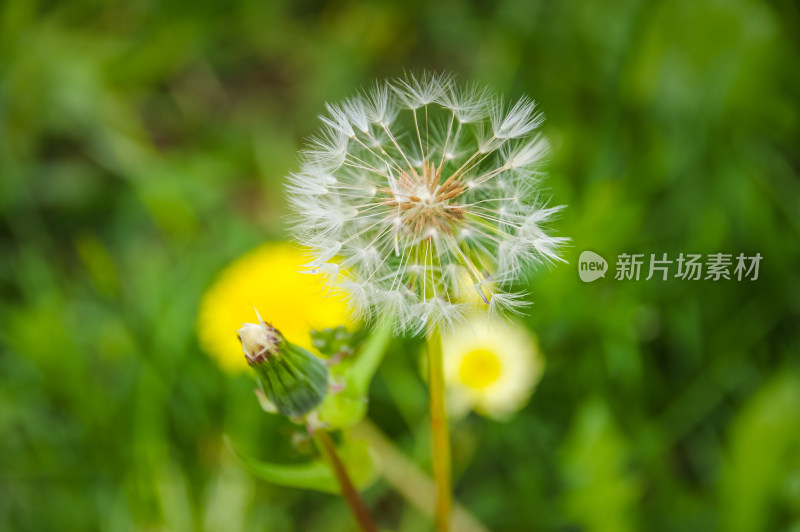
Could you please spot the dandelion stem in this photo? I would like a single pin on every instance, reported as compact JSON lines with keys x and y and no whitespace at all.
{"x":349,"y":492}
{"x":439,"y":432}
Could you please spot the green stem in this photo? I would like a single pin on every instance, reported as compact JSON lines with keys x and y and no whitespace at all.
{"x":440,"y":433}
{"x":349,"y":492}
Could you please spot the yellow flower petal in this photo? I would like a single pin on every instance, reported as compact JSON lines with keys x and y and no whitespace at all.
{"x":479,"y":368}
{"x":266,"y":278}
{"x":490,"y":367}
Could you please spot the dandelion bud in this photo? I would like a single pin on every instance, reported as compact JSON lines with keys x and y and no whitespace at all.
{"x":292,"y":379}
{"x":334,"y":341}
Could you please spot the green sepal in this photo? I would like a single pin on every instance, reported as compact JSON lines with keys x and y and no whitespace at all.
{"x":292,"y":379}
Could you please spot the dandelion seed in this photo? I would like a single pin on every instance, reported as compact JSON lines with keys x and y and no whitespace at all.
{"x":418,"y":188}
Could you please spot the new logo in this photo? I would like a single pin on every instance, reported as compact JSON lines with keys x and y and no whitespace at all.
{"x":591,"y":266}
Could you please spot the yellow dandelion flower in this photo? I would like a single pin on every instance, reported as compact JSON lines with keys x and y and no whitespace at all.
{"x":266,"y":278}
{"x":490,"y":367}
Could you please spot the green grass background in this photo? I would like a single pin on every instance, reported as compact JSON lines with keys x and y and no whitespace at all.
{"x":143,"y":146}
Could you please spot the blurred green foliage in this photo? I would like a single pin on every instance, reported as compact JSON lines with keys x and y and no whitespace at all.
{"x":143,"y":146}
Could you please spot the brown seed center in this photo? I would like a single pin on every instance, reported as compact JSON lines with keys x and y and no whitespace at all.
{"x":424,"y":204}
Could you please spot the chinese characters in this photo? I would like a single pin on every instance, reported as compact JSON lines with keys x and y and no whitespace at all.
{"x":687,"y":267}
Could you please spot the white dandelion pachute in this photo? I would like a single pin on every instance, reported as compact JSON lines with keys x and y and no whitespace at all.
{"x":419,"y":198}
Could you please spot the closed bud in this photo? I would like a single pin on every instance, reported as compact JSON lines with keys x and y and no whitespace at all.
{"x":334,"y":341}
{"x":292,"y":379}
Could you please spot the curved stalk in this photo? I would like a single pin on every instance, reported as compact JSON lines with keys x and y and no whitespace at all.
{"x":349,"y":492}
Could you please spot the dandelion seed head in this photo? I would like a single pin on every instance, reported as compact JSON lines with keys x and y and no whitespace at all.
{"x":419,"y":198}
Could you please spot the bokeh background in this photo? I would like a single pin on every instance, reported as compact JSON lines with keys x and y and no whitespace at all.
{"x":143,"y":146}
